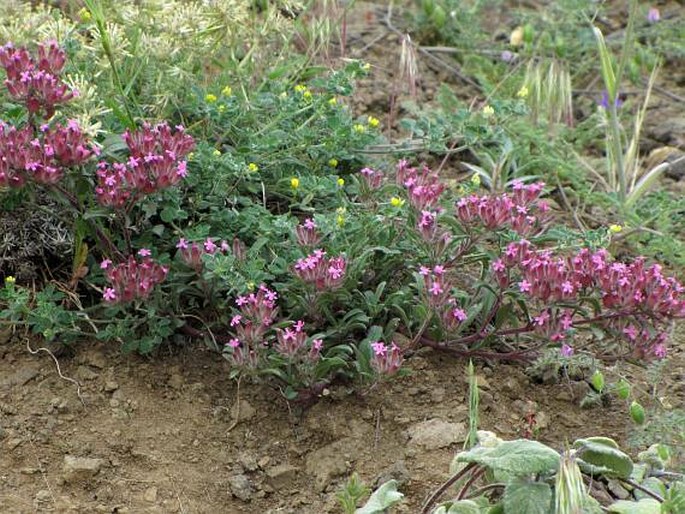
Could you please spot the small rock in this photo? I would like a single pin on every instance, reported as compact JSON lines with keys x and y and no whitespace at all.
{"x":95,"y":358}
{"x":29,"y":471}
{"x":14,"y":442}
{"x":330,"y":462}
{"x":175,"y":381}
{"x":79,"y":468}
{"x":248,"y":461}
{"x":85,"y":373}
{"x":150,"y":495}
{"x":397,"y":471}
{"x":436,"y":433}
{"x":111,"y":386}
{"x":243,"y":411}
{"x":438,"y":394}
{"x":241,"y":487}
{"x":281,"y":475}
{"x":43,"y":496}
{"x":541,"y":420}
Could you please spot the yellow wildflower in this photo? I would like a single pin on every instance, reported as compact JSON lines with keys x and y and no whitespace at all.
{"x":396,"y":202}
{"x":488,"y":111}
{"x":294,"y":182}
{"x":359,"y":128}
{"x":252,"y":167}
{"x":333,"y":163}
{"x":373,"y":122}
{"x":366,"y":66}
{"x":516,"y":38}
{"x":10,"y":280}
{"x":216,"y":153}
{"x":84,"y":15}
{"x":227,"y":91}
{"x":615,"y":229}
{"x":283,"y":95}
{"x":210,"y":98}
{"x":341,"y":182}
{"x":221,"y":108}
{"x":523,"y":92}
{"x":191,"y":155}
{"x":333,"y":101}
{"x":250,"y":286}
{"x":307,"y":95}
{"x":475,"y":180}
{"x":340,"y":220}
{"x":300,"y":88}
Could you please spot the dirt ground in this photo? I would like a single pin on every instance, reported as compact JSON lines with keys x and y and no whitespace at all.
{"x":155,"y":436}
{"x":165,"y":434}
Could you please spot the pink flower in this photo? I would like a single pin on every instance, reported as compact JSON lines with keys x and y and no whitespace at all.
{"x":459,"y":314}
{"x":379,"y":348}
{"x":524,"y":286}
{"x":182,"y":244}
{"x":144,"y":252}
{"x":660,"y":351}
{"x":235,"y":320}
{"x":105,"y":264}
{"x":209,"y":245}
{"x":109,"y":295}
{"x":566,"y":350}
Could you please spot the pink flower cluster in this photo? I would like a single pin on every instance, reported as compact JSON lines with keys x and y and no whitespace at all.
{"x":324,"y":272}
{"x":36,"y":82}
{"x":291,"y":342}
{"x":132,"y":279}
{"x":437,"y":290}
{"x":192,"y":253}
{"x":257,"y":313}
{"x":521,"y":209}
{"x":637,"y":298}
{"x":424,"y":186}
{"x":372,"y":178}
{"x":155,"y":163}
{"x":306,"y":233}
{"x":42,"y":159}
{"x":386,"y":360}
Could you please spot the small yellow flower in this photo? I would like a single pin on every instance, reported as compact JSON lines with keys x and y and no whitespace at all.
{"x":283,"y":95}
{"x":250,"y":286}
{"x":221,"y":108}
{"x":294,"y":182}
{"x":210,"y":98}
{"x":523,"y":92}
{"x":253,"y":167}
{"x":396,"y":202}
{"x":615,"y":229}
{"x":366,"y":66}
{"x":333,"y":163}
{"x":216,"y":153}
{"x":373,"y":122}
{"x":475,"y":180}
{"x":488,"y":111}
{"x":340,"y":220}
{"x":359,"y":128}
{"x":300,"y":88}
{"x":516,"y":38}
{"x":227,"y":91}
{"x":191,"y":155}
{"x":84,"y":15}
{"x":307,"y":95}
{"x":333,"y":102}
{"x":10,"y":280}
{"x":341,"y":182}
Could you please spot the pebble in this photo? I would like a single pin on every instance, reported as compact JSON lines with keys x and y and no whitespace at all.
{"x":241,"y":487}
{"x":150,"y":495}
{"x":436,"y":433}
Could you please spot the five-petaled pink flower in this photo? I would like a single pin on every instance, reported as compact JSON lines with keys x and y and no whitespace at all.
{"x":109,"y":295}
{"x":144,"y":252}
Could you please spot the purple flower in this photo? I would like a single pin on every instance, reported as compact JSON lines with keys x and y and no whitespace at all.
{"x":566,"y":350}
{"x":604,"y":101}
{"x":110,"y":295}
{"x":105,"y":264}
{"x":508,"y":56}
{"x":653,"y":15}
{"x":144,"y":252}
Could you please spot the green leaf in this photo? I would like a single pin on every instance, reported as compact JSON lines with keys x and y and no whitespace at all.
{"x":519,"y":457}
{"x":460,"y":507}
{"x":528,"y":497}
{"x":383,"y":498}
{"x":603,"y":459}
{"x":646,"y":506}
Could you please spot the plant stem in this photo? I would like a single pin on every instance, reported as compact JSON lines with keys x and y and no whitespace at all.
{"x":439,"y":492}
